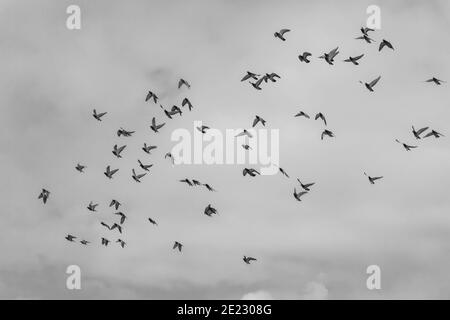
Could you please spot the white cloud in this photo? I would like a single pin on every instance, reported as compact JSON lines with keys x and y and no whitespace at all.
{"x":315,"y":291}
{"x":258,"y":295}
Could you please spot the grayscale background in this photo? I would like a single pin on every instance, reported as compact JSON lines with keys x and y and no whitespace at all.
{"x":51,"y":78}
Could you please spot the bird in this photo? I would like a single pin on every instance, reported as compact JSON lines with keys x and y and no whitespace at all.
{"x":123,"y":132}
{"x":152,"y":221}
{"x":122,"y":243}
{"x":105,"y":225}
{"x":304,"y":57}
{"x":257,"y":84}
{"x":258,"y":119}
{"x":91,"y":206}
{"x":70,"y":238}
{"x":283,"y":172}
{"x":327,"y":133}
{"x":122,"y":216}
{"x":364,"y":37}
{"x":147,"y":148}
{"x":177,"y":245}
{"x":371,"y":84}
{"x":406,"y":146}
{"x":98,"y":116}
{"x":354,"y":60}
{"x":170,"y":156}
{"x":44,"y":195}
{"x":105,"y":242}
{"x":209,"y":210}
{"x":115,"y":203}
{"x":209,"y":187}
{"x":365,"y":30}
{"x":302,"y":114}
{"x":271,"y":76}
{"x":436,"y":81}
{"x":188,"y":102}
{"x":434,"y":133}
{"x":155,"y":127}
{"x":80,"y":167}
{"x":244,"y":133}
{"x":247,"y":260}
{"x":329,"y":57}
{"x":418,"y":132}
{"x":306,"y":186}
{"x":246,"y":147}
{"x":372,"y":179}
{"x":84,"y":242}
{"x":151,"y":95}
{"x":385,"y":43}
{"x":109,"y":173}
{"x":187,"y":181}
{"x":183,"y":82}
{"x":144,"y":166}
{"x":250,"y":171}
{"x":280,"y":34}
{"x":299,"y":194}
{"x":137,"y":177}
{"x":118,"y":150}
{"x":116,"y":226}
{"x":203,"y":129}
{"x":320,"y":116}
{"x":175,"y":110}
{"x":196,"y":182}
{"x":250,"y":75}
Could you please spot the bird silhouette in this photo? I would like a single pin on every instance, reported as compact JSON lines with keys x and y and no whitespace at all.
{"x":44,"y":195}
{"x":280,"y":34}
{"x":257,"y":84}
{"x":304,"y":57}
{"x":155,"y":127}
{"x":147,"y":148}
{"x":187,"y":181}
{"x":246,"y":147}
{"x":406,"y":146}
{"x":105,"y":242}
{"x":125,"y":133}
{"x":152,"y":221}
{"x":247,"y":260}
{"x":365,"y":30}
{"x":244,"y":133}
{"x":118,"y":150}
{"x":170,"y":156}
{"x":354,"y":60}
{"x":258,"y":119}
{"x":109,"y":173}
{"x":283,"y":172}
{"x":91,"y":206}
{"x":196,"y":182}
{"x":70,"y":238}
{"x":115,"y":203}
{"x":183,"y":82}
{"x":372,"y":179}
{"x":365,"y":37}
{"x":209,"y":187}
{"x":327,"y":133}
{"x":320,"y":116}
{"x":418,"y":132}
{"x":80,"y":168}
{"x":84,"y":242}
{"x":250,"y":171}
{"x":209,"y":210}
{"x":151,"y":95}
{"x":302,"y":114}
{"x":203,"y":129}
{"x":98,"y":116}
{"x":144,"y":166}
{"x":137,"y":177}
{"x":250,"y":75}
{"x":434,"y":133}
{"x":122,"y":216}
{"x":371,"y":84}
{"x":187,"y":102}
{"x":121,"y":242}
{"x":271,"y":76}
{"x":329,"y":57}
{"x":436,"y":81}
{"x":306,"y":186}
{"x":299,"y":194}
{"x":177,"y":245}
{"x":385,"y":43}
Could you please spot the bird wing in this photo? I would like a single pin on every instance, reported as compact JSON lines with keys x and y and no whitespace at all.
{"x":283,"y":31}
{"x":113,"y":171}
{"x":358,"y":57}
{"x":140,"y":175}
{"x":255,"y":122}
{"x":333,"y":52}
{"x":421,"y":130}
{"x":374,"y":82}
{"x":309,"y":184}
{"x":377,"y":178}
{"x":121,"y":149}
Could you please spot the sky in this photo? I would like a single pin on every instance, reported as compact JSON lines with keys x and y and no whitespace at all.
{"x":319,"y":248}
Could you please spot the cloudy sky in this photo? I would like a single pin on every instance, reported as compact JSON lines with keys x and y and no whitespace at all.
{"x":52,"y":78}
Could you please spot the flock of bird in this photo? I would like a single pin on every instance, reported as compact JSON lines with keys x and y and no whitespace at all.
{"x":256,"y":80}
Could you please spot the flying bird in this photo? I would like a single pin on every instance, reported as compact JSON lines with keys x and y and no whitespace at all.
{"x":418,"y":132}
{"x":209,"y":210}
{"x":188,"y":102}
{"x":327,"y":133}
{"x":196,"y":182}
{"x":247,"y":260}
{"x":329,"y":57}
{"x":436,"y":81}
{"x":152,"y":221}
{"x":118,"y":150}
{"x":302,"y":114}
{"x":177,"y":245}
{"x":147,"y":148}
{"x":183,"y":82}
{"x":406,"y":146}
{"x":137,"y":177}
{"x":244,"y":133}
{"x":155,"y":127}
{"x":320,"y":116}
{"x":122,"y":243}
{"x":105,"y":242}
{"x":434,"y":133}
{"x":365,"y":37}
{"x":80,"y":167}
{"x":283,"y":172}
{"x":70,"y":238}
{"x":250,"y":75}
{"x":91,"y":206}
{"x":257,"y":84}
{"x":44,"y":195}
{"x":280,"y":34}
{"x":115,"y":203}
{"x":122,"y":216}
{"x":271,"y":76}
{"x":109,"y":173}
{"x":371,"y":84}
{"x":372,"y":179}
{"x":385,"y":43}
{"x":365,"y":30}
{"x":354,"y":60}
{"x":250,"y":171}
{"x":209,"y":187}
{"x":203,"y":129}
{"x":259,"y":119}
{"x":98,"y":116}
{"x":123,"y":132}
{"x":187,"y":181}
{"x":151,"y":95}
{"x":170,"y":156}
{"x":144,"y":166}
{"x":306,"y":186}
{"x":84,"y":242}
{"x":246,"y":147}
{"x":304,"y":57}
{"x":299,"y":194}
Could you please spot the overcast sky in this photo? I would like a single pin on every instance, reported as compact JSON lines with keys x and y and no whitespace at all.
{"x":52,"y":78}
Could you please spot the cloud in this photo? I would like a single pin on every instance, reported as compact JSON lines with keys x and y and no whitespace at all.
{"x":258,"y":295}
{"x":315,"y":291}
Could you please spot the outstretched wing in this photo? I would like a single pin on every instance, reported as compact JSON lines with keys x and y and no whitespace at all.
{"x":374,"y":82}
{"x":283,"y":31}
{"x":421,"y":130}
